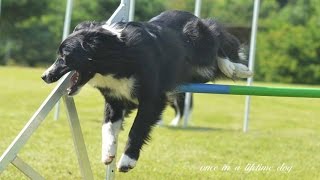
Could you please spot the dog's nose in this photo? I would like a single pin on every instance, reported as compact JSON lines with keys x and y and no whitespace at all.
{"x":44,"y":77}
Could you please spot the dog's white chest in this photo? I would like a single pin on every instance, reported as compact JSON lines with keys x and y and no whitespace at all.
{"x":120,"y":88}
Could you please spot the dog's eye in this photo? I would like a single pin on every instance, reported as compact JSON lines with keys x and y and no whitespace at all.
{"x":60,"y":61}
{"x":63,"y":55}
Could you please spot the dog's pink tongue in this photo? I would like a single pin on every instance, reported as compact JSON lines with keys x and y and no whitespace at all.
{"x":73,"y":87}
{"x":74,"y":78}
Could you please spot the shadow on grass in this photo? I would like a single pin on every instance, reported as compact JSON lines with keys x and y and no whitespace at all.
{"x":194,"y":128}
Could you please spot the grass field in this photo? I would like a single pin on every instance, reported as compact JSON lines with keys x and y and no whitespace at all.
{"x":283,"y":132}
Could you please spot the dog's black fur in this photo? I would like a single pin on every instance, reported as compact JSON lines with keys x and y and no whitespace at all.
{"x":178,"y":101}
{"x":173,"y":48}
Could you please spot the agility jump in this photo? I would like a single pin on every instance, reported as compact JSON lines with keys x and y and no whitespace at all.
{"x":250,"y":90}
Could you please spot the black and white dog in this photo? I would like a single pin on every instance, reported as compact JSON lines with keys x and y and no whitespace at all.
{"x":139,"y":65}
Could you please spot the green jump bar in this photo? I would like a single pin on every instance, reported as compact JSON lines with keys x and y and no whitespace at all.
{"x":251,"y":90}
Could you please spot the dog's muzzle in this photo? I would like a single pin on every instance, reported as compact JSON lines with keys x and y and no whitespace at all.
{"x":54,"y":73}
{"x":49,"y":78}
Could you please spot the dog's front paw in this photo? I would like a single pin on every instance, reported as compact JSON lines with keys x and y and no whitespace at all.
{"x":108,"y":152}
{"x":126,"y":163}
{"x":109,"y":144}
{"x":226,"y":67}
{"x":242,"y":71}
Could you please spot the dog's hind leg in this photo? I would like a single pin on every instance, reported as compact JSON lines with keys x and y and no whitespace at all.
{"x":148,"y":113}
{"x":114,"y":115}
{"x":177,"y":110}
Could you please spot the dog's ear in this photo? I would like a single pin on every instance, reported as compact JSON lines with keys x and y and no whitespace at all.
{"x":80,"y":58}
{"x":103,"y":39}
{"x":87,"y":46}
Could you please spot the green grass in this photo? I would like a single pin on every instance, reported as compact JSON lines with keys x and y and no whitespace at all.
{"x":282,"y":130}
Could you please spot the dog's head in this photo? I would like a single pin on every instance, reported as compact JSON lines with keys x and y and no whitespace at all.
{"x":83,"y":52}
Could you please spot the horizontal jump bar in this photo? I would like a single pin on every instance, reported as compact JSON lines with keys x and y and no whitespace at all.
{"x":250,"y":90}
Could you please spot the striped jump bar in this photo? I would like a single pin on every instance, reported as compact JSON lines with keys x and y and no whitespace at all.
{"x":250,"y":90}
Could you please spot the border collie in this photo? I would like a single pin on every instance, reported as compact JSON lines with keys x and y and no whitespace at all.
{"x":139,"y":65}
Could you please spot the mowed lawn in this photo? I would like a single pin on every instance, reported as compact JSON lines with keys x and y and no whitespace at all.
{"x":283,"y":141}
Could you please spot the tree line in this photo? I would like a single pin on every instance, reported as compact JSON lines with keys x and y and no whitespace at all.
{"x":288,"y":42}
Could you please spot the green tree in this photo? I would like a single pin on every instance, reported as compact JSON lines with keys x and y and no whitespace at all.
{"x":35,"y":27}
{"x":289,"y":44}
{"x":146,"y":9}
{"x":31,"y":30}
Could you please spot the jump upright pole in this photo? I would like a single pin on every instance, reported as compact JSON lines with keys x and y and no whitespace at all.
{"x":132,"y":10}
{"x":250,"y":90}
{"x":252,"y":53}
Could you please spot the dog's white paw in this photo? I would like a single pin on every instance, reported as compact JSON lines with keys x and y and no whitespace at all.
{"x":176,"y":120}
{"x":109,"y":141}
{"x":226,"y":67}
{"x":126,"y":163}
{"x":242,"y":71}
{"x":108,"y":152}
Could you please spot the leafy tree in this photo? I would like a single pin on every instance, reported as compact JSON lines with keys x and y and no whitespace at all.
{"x":289,"y":46}
{"x":14,"y":12}
{"x":146,"y":9}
